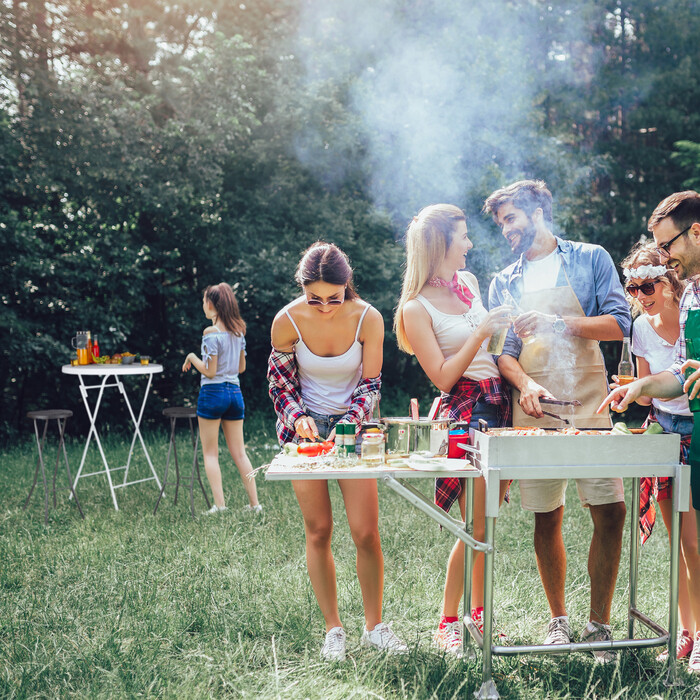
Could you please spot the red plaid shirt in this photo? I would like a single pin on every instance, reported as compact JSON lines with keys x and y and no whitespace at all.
{"x":458,"y":405}
{"x":656,"y":486}
{"x":285,"y":392}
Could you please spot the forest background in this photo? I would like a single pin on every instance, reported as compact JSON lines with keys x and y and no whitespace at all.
{"x":148,"y":149}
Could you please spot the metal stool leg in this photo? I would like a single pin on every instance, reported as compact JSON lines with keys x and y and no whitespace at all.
{"x":167,"y":464}
{"x":36,"y":471}
{"x":177,"y":469}
{"x":195,"y":447}
{"x":62,"y":445}
{"x":43,"y":470}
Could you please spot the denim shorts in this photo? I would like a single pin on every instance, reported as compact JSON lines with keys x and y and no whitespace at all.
{"x":324,"y":422}
{"x":221,"y":401}
{"x":483,"y":410}
{"x":673,"y":422}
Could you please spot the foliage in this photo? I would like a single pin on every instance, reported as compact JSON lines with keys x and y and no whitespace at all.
{"x":149,"y":149}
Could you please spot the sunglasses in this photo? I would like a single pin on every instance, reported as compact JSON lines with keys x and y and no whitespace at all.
{"x":330,"y":302}
{"x":647,"y":288}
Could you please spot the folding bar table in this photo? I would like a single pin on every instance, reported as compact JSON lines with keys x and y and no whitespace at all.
{"x":110,"y":376}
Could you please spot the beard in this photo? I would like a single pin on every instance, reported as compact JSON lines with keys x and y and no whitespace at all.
{"x":526,"y":237}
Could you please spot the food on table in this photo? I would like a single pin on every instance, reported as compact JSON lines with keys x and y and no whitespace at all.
{"x":654,"y":429}
{"x":621,"y":428}
{"x":103,"y":360}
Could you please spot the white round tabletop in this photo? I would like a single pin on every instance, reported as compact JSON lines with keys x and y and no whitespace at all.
{"x":102,"y":369}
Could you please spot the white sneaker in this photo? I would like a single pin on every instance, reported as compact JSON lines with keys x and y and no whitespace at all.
{"x":382,"y":638}
{"x":253,"y":509}
{"x":333,"y":648}
{"x":215,"y":509}
{"x":448,"y":638}
{"x":558,"y":632}
{"x":694,"y":661}
{"x":597,"y":632}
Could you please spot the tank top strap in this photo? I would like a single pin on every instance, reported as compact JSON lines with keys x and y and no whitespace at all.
{"x":296,"y":328}
{"x":359,"y":325}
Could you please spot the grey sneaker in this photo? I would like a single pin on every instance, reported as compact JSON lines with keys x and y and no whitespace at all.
{"x":253,"y":509}
{"x":334,"y":646}
{"x":558,"y":632}
{"x":597,"y":632}
{"x":382,"y":638}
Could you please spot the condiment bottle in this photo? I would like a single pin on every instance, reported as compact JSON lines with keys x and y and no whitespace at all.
{"x":625,"y":370}
{"x":89,"y":348}
{"x":95,"y":348}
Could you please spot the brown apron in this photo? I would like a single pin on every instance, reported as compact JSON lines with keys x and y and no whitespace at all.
{"x":568,"y":367}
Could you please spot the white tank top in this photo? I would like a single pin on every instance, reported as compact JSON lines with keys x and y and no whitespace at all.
{"x":327,"y":383}
{"x":453,"y":330}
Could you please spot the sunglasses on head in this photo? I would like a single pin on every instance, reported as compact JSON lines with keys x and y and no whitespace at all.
{"x":647,"y":288}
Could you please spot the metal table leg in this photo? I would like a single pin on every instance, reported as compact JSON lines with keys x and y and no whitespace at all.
{"x":634,"y":557}
{"x":467,"y":649}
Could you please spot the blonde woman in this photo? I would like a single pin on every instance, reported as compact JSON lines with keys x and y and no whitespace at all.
{"x":441,"y":320}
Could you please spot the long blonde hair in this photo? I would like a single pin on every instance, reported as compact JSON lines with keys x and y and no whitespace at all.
{"x":428,"y":237}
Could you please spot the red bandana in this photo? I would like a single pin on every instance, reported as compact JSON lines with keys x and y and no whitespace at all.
{"x":461,"y":290}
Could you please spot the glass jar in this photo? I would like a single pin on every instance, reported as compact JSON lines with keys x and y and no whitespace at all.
{"x":372,"y":447}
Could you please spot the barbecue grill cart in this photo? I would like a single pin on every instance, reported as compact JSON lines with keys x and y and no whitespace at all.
{"x":510,"y":454}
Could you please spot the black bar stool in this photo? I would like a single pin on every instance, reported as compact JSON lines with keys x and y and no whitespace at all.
{"x":61,"y":417}
{"x":191,"y":414}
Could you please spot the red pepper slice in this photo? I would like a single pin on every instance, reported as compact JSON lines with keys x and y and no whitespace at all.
{"x":310,"y":449}
{"x":327,"y":446}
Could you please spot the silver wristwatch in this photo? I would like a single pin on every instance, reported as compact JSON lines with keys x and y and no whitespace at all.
{"x":559,"y":325}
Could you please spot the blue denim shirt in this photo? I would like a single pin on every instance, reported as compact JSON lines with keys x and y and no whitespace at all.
{"x":592,"y":275}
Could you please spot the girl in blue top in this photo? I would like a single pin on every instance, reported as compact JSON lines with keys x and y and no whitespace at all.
{"x":220,"y":400}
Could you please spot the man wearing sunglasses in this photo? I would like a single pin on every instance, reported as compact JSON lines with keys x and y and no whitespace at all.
{"x":571,"y":298}
{"x":675,"y":225}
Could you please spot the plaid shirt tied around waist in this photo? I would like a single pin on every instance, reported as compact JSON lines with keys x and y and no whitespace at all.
{"x":654,"y":485}
{"x":285,"y":392}
{"x":458,"y":405}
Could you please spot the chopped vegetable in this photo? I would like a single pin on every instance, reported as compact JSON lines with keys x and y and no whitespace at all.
{"x":654,"y":429}
{"x":622,"y":429}
{"x":290,"y":448}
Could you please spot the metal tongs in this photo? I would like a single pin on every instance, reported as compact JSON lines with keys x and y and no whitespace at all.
{"x":559,"y":402}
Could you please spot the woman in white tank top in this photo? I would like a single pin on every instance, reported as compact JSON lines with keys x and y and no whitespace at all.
{"x":441,"y":320}
{"x":325,"y":366}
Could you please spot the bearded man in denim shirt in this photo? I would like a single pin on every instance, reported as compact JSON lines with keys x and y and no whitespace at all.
{"x":569,"y":298}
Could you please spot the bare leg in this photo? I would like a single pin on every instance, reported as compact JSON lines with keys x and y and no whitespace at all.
{"x":315,"y":505}
{"x":233,"y":432}
{"x":209,"y":435}
{"x":551,"y":558}
{"x":454,"y":580}
{"x":604,"y":557}
{"x":362,"y":509}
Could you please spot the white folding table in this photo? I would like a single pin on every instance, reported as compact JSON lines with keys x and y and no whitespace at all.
{"x":110,"y":376}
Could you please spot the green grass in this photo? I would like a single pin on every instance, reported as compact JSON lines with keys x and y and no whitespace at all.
{"x":125,"y":604}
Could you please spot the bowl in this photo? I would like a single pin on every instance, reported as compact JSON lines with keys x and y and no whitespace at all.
{"x":127,"y":359}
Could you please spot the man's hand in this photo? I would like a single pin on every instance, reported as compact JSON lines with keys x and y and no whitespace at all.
{"x":619,"y":399}
{"x":692,"y":379}
{"x":533,"y":323}
{"x":530,"y":398}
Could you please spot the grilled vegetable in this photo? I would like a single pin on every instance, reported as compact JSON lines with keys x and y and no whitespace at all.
{"x":654,"y":429}
{"x":621,"y":428}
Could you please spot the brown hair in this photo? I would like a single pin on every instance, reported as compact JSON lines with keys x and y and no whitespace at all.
{"x":325,"y":262}
{"x":682,"y":207}
{"x":223,"y":299}
{"x":527,"y":195}
{"x":646,"y":254}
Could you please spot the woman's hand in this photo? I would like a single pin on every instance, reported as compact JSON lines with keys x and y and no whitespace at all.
{"x":496,"y":320}
{"x":688,"y":387}
{"x":188,"y":363}
{"x":305,"y":427}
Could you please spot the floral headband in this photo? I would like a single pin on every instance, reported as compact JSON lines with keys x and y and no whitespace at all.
{"x":645,"y":272}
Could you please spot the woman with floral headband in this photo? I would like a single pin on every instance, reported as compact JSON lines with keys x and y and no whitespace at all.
{"x":441,"y":320}
{"x":654,"y":292}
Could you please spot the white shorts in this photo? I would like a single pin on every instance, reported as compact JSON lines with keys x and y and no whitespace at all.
{"x":546,"y":495}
